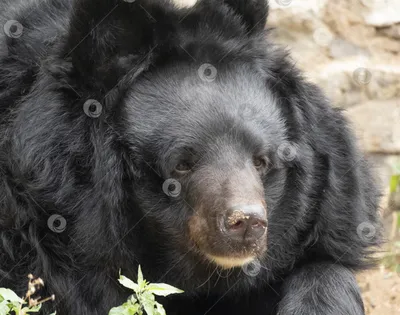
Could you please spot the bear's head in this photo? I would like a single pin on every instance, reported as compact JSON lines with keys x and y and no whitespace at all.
{"x":204,"y":142}
{"x":207,"y":153}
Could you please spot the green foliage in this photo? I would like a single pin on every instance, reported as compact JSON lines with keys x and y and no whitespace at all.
{"x":10,"y":302}
{"x":143,"y":299}
{"x":391,"y":259}
{"x":394,"y":183}
{"x":395,"y":191}
{"x":141,"y":302}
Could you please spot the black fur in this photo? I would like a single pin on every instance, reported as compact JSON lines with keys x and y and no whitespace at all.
{"x":104,"y":175}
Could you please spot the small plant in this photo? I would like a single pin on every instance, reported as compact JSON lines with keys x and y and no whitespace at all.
{"x":11,"y":303}
{"x":395,"y":186}
{"x":143,"y":299}
{"x":392,"y":258}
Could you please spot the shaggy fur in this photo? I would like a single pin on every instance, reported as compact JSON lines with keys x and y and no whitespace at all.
{"x":104,"y":176}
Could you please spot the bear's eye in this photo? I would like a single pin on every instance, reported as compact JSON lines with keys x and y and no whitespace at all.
{"x":183,"y":167}
{"x":260,"y":162}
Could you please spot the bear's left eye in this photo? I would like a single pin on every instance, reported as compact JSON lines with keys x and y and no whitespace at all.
{"x":260,"y":162}
{"x":183,"y":167}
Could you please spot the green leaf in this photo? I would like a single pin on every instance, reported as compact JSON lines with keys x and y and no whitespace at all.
{"x":53,"y":313}
{"x":140,"y":281}
{"x":147,"y":296}
{"x":160,"y":309}
{"x":10,"y":295}
{"x":4,"y":309}
{"x":162,"y":289}
{"x":120,"y":310}
{"x":149,"y":308}
{"x":126,"y":309}
{"x":394,"y":183}
{"x":132,"y":299}
{"x":147,"y":300}
{"x":139,"y":274}
{"x":33,"y":309}
{"x":15,"y":307}
{"x":128,"y":283}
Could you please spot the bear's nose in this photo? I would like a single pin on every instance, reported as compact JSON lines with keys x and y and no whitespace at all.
{"x":245,"y":222}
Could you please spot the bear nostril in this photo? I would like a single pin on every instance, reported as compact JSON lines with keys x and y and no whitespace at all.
{"x":238,"y":225}
{"x":245,"y":222}
{"x":256,"y":224}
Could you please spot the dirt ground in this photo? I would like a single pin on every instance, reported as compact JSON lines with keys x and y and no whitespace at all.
{"x":381,"y":292}
{"x":381,"y":287}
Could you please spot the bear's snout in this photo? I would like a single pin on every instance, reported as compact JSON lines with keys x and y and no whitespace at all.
{"x":245,"y":223}
{"x":229,"y":225}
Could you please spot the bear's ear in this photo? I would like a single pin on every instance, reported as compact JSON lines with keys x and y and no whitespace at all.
{"x":109,"y":40}
{"x":254,"y":13}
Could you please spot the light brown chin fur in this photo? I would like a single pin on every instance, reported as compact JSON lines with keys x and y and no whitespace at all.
{"x":230,"y":262}
{"x":184,"y":3}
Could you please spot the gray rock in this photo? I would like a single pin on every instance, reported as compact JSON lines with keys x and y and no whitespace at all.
{"x":377,"y":125}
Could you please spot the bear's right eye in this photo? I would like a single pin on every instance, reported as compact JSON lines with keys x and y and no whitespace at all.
{"x":183,"y":167}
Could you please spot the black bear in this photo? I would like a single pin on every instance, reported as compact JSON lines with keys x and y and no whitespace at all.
{"x":183,"y":140}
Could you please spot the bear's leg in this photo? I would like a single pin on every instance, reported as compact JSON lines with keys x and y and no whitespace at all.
{"x":321,"y":289}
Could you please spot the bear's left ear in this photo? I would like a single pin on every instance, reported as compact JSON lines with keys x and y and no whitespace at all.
{"x":111,"y":41}
{"x":254,"y":13}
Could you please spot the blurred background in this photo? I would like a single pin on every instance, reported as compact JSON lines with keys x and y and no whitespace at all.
{"x":351,"y":49}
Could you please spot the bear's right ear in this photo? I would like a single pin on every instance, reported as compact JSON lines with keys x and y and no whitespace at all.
{"x":109,"y":40}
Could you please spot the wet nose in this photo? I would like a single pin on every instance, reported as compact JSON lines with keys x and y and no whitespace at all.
{"x":246,"y":222}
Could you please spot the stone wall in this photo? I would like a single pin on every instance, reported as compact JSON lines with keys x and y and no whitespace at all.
{"x":350,"y":47}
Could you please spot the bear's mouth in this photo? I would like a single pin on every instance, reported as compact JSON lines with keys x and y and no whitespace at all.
{"x":216,"y":246}
{"x":227,"y":262}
